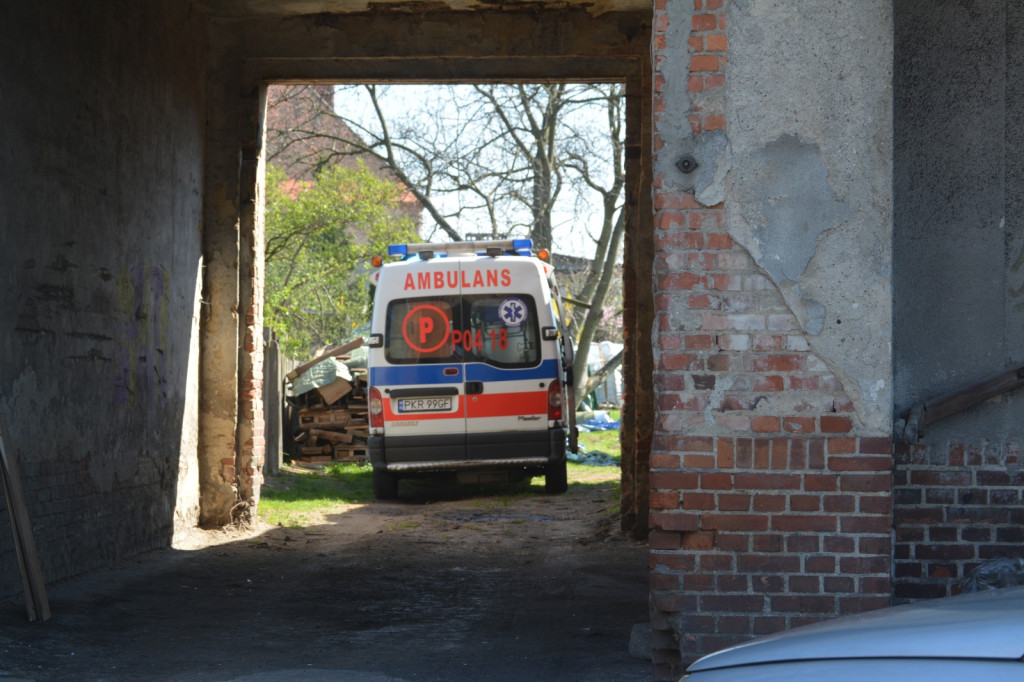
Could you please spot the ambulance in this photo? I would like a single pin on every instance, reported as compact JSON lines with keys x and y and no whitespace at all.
{"x":470,"y":366}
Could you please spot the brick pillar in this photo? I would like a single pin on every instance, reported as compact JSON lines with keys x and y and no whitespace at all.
{"x":769,"y":507}
{"x":252,"y":441}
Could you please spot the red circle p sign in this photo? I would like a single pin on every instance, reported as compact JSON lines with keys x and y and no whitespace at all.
{"x":425,"y":328}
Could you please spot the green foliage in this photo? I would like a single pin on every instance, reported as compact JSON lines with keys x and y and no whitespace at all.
{"x":320,"y":238}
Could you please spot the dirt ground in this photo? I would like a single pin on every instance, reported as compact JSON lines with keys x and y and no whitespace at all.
{"x":477,"y":586}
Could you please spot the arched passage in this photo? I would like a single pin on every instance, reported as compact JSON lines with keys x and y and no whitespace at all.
{"x":248,"y":52}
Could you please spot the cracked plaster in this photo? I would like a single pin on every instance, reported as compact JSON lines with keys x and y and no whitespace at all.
{"x":805,"y":175}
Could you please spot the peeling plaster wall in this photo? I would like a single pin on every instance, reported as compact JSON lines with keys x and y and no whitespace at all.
{"x":959,"y":220}
{"x":805,"y":174}
{"x":100,"y":170}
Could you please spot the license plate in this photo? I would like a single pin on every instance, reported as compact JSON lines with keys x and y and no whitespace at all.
{"x":425,"y":404}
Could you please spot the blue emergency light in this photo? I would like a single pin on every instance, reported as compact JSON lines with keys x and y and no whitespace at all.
{"x":521,"y":247}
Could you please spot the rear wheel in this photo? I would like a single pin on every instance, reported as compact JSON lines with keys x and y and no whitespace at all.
{"x":385,"y":484}
{"x":556,"y":480}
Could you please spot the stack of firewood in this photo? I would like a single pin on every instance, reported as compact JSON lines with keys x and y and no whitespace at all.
{"x":332,"y":419}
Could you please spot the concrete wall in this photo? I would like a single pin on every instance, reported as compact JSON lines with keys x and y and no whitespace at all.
{"x":958,"y":237}
{"x":100,"y":202}
{"x":770,"y":485}
{"x":958,"y":285}
{"x":799,"y":150}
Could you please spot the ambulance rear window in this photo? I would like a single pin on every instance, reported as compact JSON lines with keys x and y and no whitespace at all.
{"x":419,"y":330}
{"x":503,"y":329}
{"x":498,"y":329}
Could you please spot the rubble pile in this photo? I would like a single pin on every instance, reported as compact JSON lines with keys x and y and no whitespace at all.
{"x":329,"y":400}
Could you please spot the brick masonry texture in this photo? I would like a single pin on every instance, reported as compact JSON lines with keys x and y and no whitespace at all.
{"x":956,"y":505}
{"x":769,"y":509}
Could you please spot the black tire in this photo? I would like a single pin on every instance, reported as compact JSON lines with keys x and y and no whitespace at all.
{"x":556,"y":480}
{"x":385,"y":484}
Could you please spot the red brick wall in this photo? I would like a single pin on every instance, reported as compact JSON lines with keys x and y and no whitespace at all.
{"x":956,"y":506}
{"x":769,"y":507}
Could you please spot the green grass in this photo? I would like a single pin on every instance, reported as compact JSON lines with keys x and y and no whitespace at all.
{"x":300,"y":499}
{"x":605,"y":441}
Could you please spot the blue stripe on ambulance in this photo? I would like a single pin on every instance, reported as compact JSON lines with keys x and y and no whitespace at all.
{"x":413,"y":374}
{"x":475,"y":371}
{"x":479,"y":371}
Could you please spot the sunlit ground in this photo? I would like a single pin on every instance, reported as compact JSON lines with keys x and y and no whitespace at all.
{"x":299,"y":497}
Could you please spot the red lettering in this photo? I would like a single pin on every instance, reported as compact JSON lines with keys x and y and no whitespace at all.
{"x":478,"y":279}
{"x":465,"y":284}
{"x":439,"y":280}
{"x":492,"y":278}
{"x":424,"y":280}
{"x":506,"y":278}
{"x":426,"y":326}
{"x":453,"y":279}
{"x":409,"y":284}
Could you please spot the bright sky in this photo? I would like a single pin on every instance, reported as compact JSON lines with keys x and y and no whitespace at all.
{"x":430,"y":104}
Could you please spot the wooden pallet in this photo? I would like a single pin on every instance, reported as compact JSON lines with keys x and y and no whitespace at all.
{"x":351,"y":453}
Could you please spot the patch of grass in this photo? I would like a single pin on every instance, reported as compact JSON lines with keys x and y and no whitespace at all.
{"x":403,"y":525}
{"x":298,"y":498}
{"x":606,"y":441}
{"x":295,"y":498}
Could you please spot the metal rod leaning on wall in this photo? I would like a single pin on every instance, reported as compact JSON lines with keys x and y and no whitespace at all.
{"x":922,"y":414}
{"x":36,"y":603}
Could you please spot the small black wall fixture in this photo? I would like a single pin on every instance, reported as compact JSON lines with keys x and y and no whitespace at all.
{"x":687,"y":164}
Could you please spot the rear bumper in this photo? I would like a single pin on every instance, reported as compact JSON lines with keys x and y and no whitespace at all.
{"x":503,"y":450}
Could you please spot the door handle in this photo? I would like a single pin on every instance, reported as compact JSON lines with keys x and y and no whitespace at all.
{"x":474,"y":387}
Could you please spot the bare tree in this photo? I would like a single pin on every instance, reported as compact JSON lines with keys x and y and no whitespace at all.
{"x":497,"y":161}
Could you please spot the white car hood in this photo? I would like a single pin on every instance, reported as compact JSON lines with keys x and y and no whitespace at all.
{"x":986,"y":624}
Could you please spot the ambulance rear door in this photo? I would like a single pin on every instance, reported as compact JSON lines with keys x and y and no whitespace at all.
{"x":422,"y":382}
{"x":508,"y":373}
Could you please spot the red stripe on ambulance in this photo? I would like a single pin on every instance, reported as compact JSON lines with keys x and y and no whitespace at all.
{"x":508,"y":404}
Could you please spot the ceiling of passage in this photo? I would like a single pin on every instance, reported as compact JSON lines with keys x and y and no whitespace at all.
{"x":242,"y":8}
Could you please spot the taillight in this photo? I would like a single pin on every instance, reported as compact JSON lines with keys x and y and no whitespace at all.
{"x":555,"y":401}
{"x":376,"y":408}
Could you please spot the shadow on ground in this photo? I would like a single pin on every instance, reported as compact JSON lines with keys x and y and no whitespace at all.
{"x":478,"y":587}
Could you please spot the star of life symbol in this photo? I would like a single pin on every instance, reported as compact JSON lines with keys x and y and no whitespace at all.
{"x":512,"y":312}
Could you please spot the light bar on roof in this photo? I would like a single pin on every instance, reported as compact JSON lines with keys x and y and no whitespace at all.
{"x":481,"y":247}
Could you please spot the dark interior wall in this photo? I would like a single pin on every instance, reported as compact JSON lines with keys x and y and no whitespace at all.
{"x":958,"y":285}
{"x":958,"y":244}
{"x":101,"y":113}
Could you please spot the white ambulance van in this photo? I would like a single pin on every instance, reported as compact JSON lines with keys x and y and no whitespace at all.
{"x":469,"y":366}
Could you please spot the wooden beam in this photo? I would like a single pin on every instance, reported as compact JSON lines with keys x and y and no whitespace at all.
{"x":36,"y":603}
